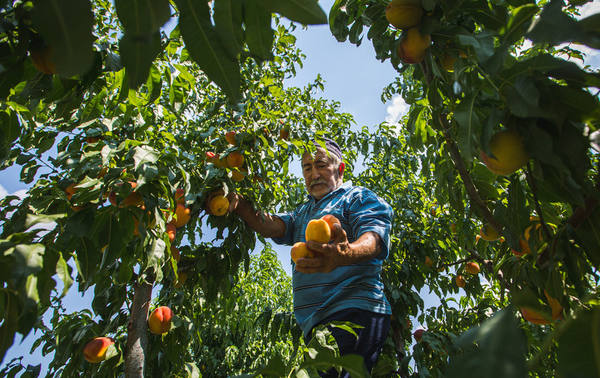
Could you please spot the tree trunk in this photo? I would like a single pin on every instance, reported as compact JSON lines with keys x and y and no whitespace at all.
{"x":137,"y":336}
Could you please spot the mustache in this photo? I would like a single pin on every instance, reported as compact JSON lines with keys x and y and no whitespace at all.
{"x":317,"y":182}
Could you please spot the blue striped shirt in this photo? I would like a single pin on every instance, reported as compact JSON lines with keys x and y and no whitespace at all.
{"x":318,"y":295}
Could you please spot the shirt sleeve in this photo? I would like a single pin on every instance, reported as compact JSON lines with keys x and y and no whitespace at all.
{"x":289,"y":219}
{"x":368,"y":212}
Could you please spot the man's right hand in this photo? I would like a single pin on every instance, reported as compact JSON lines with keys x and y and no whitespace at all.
{"x":265,"y":224}
{"x":234,"y":201}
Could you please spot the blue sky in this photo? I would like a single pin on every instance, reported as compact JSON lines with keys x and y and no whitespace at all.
{"x":352,"y":76}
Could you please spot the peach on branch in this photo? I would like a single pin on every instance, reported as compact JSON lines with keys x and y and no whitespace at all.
{"x":95,"y":350}
{"x":508,"y":153}
{"x":159,"y":321}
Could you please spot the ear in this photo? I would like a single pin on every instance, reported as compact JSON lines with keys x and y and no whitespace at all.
{"x":341,"y":168}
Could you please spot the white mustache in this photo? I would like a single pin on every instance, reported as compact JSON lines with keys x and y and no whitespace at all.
{"x":317,"y":183}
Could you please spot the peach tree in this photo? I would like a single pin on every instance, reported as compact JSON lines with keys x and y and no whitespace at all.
{"x":122,"y":116}
{"x":489,"y":68}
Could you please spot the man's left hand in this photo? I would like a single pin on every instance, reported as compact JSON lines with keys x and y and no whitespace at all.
{"x":327,"y":256}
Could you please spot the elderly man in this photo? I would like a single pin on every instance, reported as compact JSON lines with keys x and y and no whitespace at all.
{"x":343,"y":281}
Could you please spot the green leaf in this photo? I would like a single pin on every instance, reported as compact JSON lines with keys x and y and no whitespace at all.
{"x":553,"y":26}
{"x":9,"y":132}
{"x":154,"y":84}
{"x":66,"y":26}
{"x":469,"y":122}
{"x":228,"y":24}
{"x":156,"y":256}
{"x":29,"y":259}
{"x":518,"y":22}
{"x":63,"y":272}
{"x":33,"y":219}
{"x":192,"y":371}
{"x":579,"y":346}
{"x":557,"y":68}
{"x":259,"y":35}
{"x":523,"y":98}
{"x":137,"y":54}
{"x":494,"y":349}
{"x":203,"y":44}
{"x":144,"y":154}
{"x":307,"y":12}
{"x":482,"y":43}
{"x":338,"y":21}
{"x":142,"y":17}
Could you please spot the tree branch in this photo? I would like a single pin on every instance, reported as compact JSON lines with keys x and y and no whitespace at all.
{"x":466,"y":178}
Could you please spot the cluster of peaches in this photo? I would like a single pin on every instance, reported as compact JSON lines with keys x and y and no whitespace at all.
{"x":159,"y":322}
{"x":318,"y":230}
{"x":406,"y":15}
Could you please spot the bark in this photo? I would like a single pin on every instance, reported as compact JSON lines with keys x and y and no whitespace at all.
{"x":137,"y":335}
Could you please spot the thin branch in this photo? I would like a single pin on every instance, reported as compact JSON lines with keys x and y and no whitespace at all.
{"x":538,"y":208}
{"x":460,"y":165}
{"x":466,"y":177}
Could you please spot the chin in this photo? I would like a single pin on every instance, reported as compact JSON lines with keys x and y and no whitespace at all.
{"x":318,"y":194}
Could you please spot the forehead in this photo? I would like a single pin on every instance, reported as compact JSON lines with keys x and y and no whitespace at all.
{"x":320,"y":155}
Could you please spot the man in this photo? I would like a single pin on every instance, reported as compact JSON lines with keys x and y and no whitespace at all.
{"x":342,"y":282}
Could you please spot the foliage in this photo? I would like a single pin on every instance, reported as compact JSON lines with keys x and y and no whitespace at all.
{"x":495,"y":82}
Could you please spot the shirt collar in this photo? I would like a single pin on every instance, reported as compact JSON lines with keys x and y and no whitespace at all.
{"x":345,"y":186}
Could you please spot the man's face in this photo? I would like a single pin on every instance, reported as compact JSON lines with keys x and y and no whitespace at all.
{"x":321,"y":175}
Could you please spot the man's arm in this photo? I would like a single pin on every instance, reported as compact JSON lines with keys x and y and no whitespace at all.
{"x":265,"y":224}
{"x":340,"y":252}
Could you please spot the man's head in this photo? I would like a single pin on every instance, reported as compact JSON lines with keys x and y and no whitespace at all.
{"x":323,"y":172}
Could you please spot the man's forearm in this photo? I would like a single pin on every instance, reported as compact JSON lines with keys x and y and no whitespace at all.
{"x":366,"y":247}
{"x":265,"y":224}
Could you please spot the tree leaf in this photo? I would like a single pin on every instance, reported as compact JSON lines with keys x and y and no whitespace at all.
{"x":66,"y":26}
{"x":9,"y":132}
{"x":142,"y":17}
{"x":228,"y":24}
{"x":307,"y":12}
{"x":33,"y":219}
{"x":137,"y":54}
{"x":63,"y":272}
{"x":204,"y":46}
{"x":579,"y":346}
{"x":259,"y":35}
{"x":523,"y":98}
{"x":144,"y":154}
{"x":553,"y":25}
{"x":494,"y":349}
{"x":468,"y":121}
{"x":29,"y":259}
{"x":338,"y":21}
{"x":519,"y":22}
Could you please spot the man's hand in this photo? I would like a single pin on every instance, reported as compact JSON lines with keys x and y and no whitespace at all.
{"x":327,"y":256}
{"x":234,"y":201}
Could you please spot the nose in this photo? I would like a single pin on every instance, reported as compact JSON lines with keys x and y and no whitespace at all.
{"x":314,"y":173}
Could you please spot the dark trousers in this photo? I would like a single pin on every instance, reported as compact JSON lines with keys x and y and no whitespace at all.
{"x":370,"y":338}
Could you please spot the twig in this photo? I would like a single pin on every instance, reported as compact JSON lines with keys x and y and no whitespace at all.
{"x":538,"y":208}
